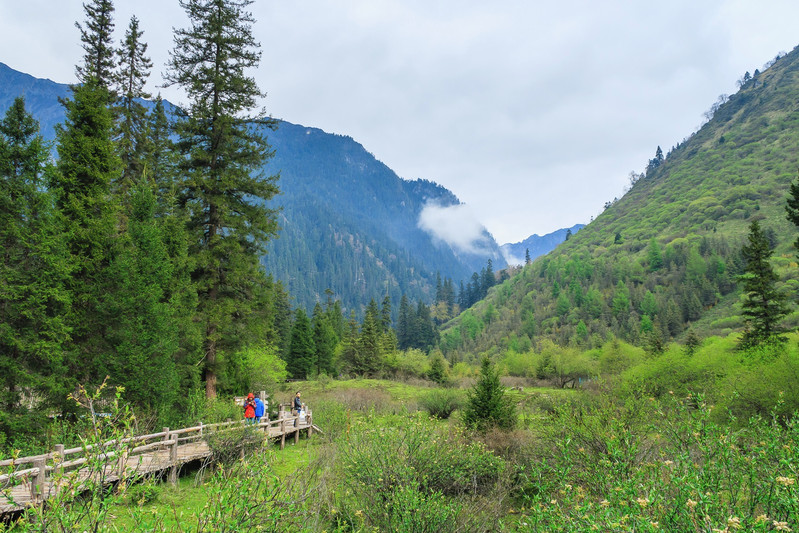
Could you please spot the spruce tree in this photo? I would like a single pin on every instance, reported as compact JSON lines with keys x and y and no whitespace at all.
{"x":302,"y":355}
{"x":792,"y":208}
{"x":487,"y":404}
{"x":98,"y":45}
{"x":224,"y":151}
{"x":33,"y":270}
{"x":324,"y":340}
{"x":143,"y":334}
{"x":87,"y":163}
{"x":763,"y":305}
{"x":370,"y":343}
{"x":132,"y":121}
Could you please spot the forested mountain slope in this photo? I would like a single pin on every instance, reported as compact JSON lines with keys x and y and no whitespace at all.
{"x":665,"y":257}
{"x":348,"y":222}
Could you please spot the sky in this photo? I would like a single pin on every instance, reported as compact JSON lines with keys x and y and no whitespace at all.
{"x":533,"y":113}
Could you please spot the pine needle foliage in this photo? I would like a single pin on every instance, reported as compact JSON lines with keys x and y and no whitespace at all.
{"x":764,"y":305}
{"x":487,"y":405}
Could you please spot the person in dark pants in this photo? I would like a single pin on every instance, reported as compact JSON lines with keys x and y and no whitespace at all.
{"x":297,"y":406}
{"x":259,"y":409}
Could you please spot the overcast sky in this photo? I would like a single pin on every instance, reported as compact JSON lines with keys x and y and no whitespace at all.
{"x":532,"y":113}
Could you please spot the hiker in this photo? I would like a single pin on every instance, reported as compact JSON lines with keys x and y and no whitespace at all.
{"x":249,"y":409}
{"x":297,"y":406}
{"x":260,"y":408}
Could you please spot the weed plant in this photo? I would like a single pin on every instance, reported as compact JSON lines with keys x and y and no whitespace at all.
{"x":644,"y":465}
{"x":441,"y":403}
{"x":410,"y":474}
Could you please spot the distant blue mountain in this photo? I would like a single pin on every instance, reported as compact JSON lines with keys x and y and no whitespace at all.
{"x":348,"y":222}
{"x":514,"y":253}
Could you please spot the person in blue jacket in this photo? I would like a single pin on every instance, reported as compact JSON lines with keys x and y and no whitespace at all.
{"x":259,"y":408}
{"x":297,"y":405}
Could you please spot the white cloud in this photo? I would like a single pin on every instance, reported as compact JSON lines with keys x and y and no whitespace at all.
{"x":457,"y":226}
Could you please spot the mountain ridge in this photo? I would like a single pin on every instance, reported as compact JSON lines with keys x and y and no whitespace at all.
{"x":664,"y":259}
{"x":349,"y":222}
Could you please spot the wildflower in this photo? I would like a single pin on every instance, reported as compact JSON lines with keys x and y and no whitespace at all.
{"x":568,"y":487}
{"x":553,"y":502}
{"x":643,"y":502}
{"x":581,"y":449}
{"x":781,"y":526}
{"x":734,"y":522}
{"x":604,"y":503}
{"x":785,"y":481}
{"x":691,"y":504}
{"x":668,"y":462}
{"x":359,"y":513}
{"x":655,"y":525}
{"x":761,"y":518}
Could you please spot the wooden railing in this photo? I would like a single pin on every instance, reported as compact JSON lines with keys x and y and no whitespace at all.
{"x":150,"y":453}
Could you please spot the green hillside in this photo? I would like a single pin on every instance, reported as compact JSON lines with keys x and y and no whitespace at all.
{"x":665,"y":257}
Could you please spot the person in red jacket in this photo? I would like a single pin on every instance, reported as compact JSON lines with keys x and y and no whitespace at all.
{"x":249,"y":409}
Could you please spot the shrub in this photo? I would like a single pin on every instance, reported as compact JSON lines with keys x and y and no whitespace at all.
{"x":143,"y":493}
{"x":441,"y":403}
{"x":390,"y":471}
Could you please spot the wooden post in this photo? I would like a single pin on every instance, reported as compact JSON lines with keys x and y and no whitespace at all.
{"x":282,"y":429}
{"x":121,"y":461}
{"x":37,"y":488}
{"x":58,"y":461}
{"x":201,"y":429}
{"x":173,"y":460}
{"x":309,"y":420}
{"x":297,"y":428}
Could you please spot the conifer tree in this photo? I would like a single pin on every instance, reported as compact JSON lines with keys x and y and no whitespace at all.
{"x":487,"y":404}
{"x":98,"y":44}
{"x":224,"y":151}
{"x":160,"y":161}
{"x":385,"y":314}
{"x":87,"y":164}
{"x":370,"y":343}
{"x":763,"y":305}
{"x":132,"y":120}
{"x":792,"y":207}
{"x":33,"y":268}
{"x":324,"y":340}
{"x":302,"y":358}
{"x":527,"y":259}
{"x":143,"y":334}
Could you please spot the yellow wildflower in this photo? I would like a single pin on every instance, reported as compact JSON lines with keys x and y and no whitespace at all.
{"x":691,"y":504}
{"x":734,"y":522}
{"x":604,"y":503}
{"x":643,"y":502}
{"x":781,"y":526}
{"x":655,"y":525}
{"x":785,"y":481}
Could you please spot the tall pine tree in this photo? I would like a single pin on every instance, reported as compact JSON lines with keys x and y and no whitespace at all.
{"x":33,"y":270}
{"x":763,"y":305}
{"x":224,"y":151}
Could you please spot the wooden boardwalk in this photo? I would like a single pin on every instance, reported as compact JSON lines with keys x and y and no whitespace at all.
{"x":142,"y":455}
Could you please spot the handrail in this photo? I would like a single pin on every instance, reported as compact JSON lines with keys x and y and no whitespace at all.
{"x":171,"y":439}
